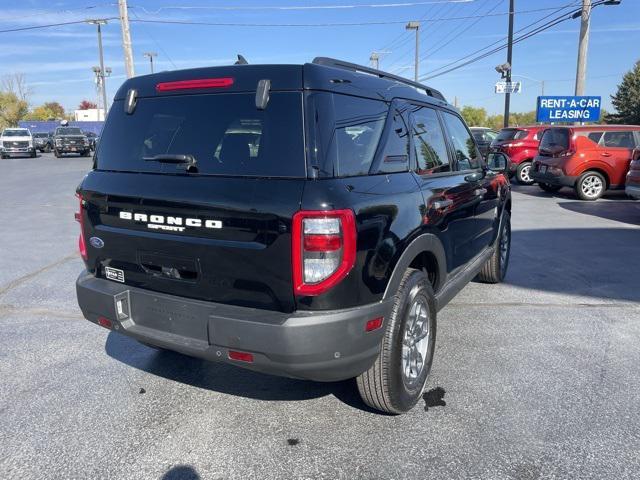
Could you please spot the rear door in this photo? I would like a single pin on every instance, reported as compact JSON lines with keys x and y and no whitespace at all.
{"x":615,"y":149}
{"x":449,"y":199}
{"x":219,"y":231}
{"x":484,"y":184}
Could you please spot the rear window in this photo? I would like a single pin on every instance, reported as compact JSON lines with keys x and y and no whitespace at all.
{"x":555,"y":140}
{"x":225,"y":133}
{"x":510,"y":134}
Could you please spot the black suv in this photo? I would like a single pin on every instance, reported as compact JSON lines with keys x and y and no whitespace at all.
{"x":299,"y":220}
{"x":70,"y":140}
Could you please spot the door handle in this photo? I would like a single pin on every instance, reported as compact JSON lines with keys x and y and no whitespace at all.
{"x":479,"y":192}
{"x":442,"y":204}
{"x":605,"y":154}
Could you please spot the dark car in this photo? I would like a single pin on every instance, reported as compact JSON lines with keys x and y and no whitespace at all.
{"x":93,"y":139}
{"x":484,"y":136}
{"x":632,"y":183}
{"x":520,"y":144}
{"x":311,"y":228}
{"x":43,"y":141}
{"x":70,"y":140}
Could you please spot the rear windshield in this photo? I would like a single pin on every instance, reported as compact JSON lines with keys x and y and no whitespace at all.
{"x":225,"y":133}
{"x":555,"y":140}
{"x":510,"y":134}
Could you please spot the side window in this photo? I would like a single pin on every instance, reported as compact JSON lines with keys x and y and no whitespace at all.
{"x":395,"y":154}
{"x":595,"y":136}
{"x":358,"y":126}
{"x":467,"y":154}
{"x":429,"y":142}
{"x":619,"y":140}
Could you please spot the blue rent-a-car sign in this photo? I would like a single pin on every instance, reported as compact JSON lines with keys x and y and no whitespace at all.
{"x":568,"y":109}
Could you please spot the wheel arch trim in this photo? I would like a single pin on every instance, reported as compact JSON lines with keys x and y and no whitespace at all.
{"x":425,"y":243}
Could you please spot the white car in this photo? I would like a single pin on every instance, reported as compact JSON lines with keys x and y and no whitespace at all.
{"x":16,"y":141}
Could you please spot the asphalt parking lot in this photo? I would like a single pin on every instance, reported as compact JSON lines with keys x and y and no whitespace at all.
{"x":534,"y":378}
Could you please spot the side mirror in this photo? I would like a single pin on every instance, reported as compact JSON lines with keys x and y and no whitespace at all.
{"x":498,"y":162}
{"x":635,"y":155}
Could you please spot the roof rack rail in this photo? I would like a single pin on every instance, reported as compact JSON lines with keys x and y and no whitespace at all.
{"x":332,"y":62}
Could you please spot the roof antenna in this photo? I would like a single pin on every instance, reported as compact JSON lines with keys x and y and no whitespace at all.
{"x":241,"y":60}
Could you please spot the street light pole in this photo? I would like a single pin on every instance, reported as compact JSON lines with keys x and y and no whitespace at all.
{"x":150,"y":55}
{"x":507,"y":97}
{"x":415,"y":26}
{"x":99,"y":23}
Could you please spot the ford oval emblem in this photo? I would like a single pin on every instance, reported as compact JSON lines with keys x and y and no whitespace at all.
{"x":96,"y":242}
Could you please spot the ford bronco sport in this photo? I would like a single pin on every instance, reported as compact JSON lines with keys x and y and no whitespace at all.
{"x":299,"y":220}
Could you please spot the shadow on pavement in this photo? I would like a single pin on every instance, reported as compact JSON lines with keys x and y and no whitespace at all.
{"x":594,"y":262}
{"x":181,"y":472}
{"x":566,"y":193}
{"x":225,"y":378}
{"x":625,"y":211}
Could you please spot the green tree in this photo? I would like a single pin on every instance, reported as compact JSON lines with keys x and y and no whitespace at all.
{"x":627,"y":99}
{"x":475,"y":117}
{"x":12,"y":109}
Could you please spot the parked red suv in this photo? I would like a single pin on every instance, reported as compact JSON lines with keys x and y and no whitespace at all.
{"x":521,"y":145}
{"x":589,"y":159}
{"x":633,"y":177}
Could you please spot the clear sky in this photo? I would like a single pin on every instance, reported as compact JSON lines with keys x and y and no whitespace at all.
{"x":57,"y":61}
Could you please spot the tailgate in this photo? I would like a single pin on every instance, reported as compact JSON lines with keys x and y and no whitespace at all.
{"x":220,"y":239}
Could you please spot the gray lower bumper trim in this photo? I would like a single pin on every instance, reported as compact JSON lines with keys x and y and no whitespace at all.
{"x":320,"y":345}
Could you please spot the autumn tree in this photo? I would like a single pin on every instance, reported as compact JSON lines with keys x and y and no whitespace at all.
{"x":87,"y":105}
{"x":627,"y":99}
{"x":12,"y":109}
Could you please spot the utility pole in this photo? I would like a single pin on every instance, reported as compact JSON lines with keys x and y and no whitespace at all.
{"x":126,"y":38}
{"x":415,"y":26}
{"x":102,"y":73}
{"x":583,"y":46}
{"x":507,"y":96}
{"x":150,"y":55}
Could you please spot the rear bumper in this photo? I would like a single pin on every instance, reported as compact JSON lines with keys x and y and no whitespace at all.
{"x":553,"y":179}
{"x":632,"y":191}
{"x":320,"y":345}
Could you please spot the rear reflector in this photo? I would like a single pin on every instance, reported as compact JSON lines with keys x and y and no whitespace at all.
{"x":82,"y":246}
{"x":374,"y":324}
{"x":222,"y":82}
{"x":105,"y":322}
{"x":241,"y":356}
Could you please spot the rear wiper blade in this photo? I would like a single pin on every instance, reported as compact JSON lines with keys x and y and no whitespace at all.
{"x":171,"y":158}
{"x":188,"y":161}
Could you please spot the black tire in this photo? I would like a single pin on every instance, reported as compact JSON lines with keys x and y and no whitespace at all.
{"x":522,"y":174}
{"x":587,"y":186}
{"x":86,"y":153}
{"x":34,"y":154}
{"x":495,"y":269}
{"x":384,"y":386}
{"x":56,"y":153}
{"x":549,"y":188}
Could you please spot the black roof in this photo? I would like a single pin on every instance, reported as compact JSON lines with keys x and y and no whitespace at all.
{"x":323,"y":74}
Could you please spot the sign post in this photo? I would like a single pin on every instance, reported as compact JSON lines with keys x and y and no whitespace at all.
{"x":570,"y":109}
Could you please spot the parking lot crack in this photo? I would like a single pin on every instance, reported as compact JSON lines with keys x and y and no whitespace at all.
{"x":20,"y":280}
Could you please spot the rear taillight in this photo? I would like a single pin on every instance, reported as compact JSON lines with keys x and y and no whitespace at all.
{"x":221,"y":82}
{"x":323,"y":249}
{"x":82,"y":246}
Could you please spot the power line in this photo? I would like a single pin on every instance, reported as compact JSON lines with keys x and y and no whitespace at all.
{"x":49,"y":25}
{"x":330,"y":24}
{"x":556,"y":10}
{"x":297,"y":7}
{"x":501,"y":47}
